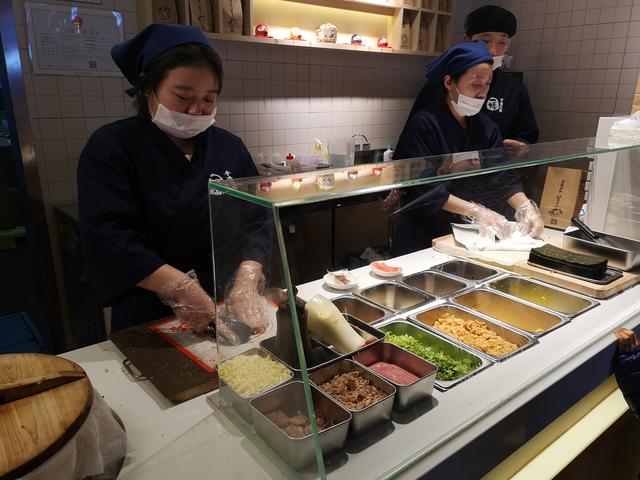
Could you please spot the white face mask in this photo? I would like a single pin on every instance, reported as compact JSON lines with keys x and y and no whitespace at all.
{"x":181,"y":125}
{"x":497,"y":61}
{"x":466,"y":106}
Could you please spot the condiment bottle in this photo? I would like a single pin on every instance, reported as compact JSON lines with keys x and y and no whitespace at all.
{"x":293,"y":163}
{"x":387,"y":156}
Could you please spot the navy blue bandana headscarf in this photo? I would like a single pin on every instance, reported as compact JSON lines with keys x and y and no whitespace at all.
{"x":457,"y":59}
{"x":134,"y":56}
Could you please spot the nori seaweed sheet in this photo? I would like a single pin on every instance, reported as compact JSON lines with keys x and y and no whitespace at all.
{"x":570,"y":262}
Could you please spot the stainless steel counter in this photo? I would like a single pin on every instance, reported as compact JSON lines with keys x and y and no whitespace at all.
{"x":461,"y":433}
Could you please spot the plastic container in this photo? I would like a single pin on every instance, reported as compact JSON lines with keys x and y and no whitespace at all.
{"x":341,"y":152}
{"x":387,"y":156}
{"x":299,"y":452}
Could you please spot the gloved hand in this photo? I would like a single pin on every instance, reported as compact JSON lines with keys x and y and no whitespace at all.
{"x":191,"y":304}
{"x":244,"y":299}
{"x":529,"y":219}
{"x":627,"y":340}
{"x":509,"y":143}
{"x":391,"y":202}
{"x":488,"y":219}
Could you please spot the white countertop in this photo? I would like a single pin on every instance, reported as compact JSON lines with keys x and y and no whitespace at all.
{"x":193,"y":439}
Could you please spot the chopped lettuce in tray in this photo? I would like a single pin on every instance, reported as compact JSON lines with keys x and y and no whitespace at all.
{"x":448,"y":367}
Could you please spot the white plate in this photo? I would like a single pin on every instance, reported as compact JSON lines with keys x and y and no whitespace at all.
{"x":328,"y":279}
{"x":382,"y":273}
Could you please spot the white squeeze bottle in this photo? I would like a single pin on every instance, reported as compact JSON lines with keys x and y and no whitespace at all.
{"x":317,"y":151}
{"x":387,"y":156}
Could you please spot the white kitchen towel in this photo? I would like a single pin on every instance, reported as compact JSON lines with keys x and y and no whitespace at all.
{"x":468,"y":234}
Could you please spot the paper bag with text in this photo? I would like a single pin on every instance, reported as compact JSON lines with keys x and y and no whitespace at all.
{"x":201,"y":14}
{"x":562,"y":197}
{"x":232,"y":16}
{"x":164,"y":11}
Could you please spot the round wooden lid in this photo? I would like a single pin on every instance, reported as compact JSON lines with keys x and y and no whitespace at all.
{"x":35,"y":427}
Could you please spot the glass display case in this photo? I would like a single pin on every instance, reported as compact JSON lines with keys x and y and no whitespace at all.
{"x":377,"y":364}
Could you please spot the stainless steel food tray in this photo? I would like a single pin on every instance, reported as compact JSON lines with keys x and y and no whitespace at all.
{"x":436,"y":283}
{"x":395,"y":296}
{"x":371,"y":335}
{"x":299,"y":452}
{"x":367,"y":418}
{"x":269,"y":345}
{"x":428,"y":317}
{"x":359,"y":308}
{"x":469,"y":271}
{"x":624,"y":255}
{"x":236,"y":401}
{"x":407,"y":395}
{"x":440,"y":344}
{"x":524,"y":316}
{"x":543,"y":295}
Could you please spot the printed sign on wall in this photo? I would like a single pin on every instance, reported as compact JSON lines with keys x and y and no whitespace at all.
{"x":72,"y":40}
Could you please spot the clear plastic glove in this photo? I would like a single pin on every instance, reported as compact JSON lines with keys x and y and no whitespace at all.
{"x":509,"y":143}
{"x":529,"y":221}
{"x":244,"y":299}
{"x":627,"y":340}
{"x":391,"y":202}
{"x":191,"y":304}
{"x":488,"y":220}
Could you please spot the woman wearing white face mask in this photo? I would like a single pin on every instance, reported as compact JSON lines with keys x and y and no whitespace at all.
{"x":508,"y":103}
{"x":451,"y":125}
{"x":142,"y":188}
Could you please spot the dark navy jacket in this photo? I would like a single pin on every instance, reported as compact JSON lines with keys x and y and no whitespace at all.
{"x":508,"y":105}
{"x":627,"y":370}
{"x":143,"y":204}
{"x":435,"y":131}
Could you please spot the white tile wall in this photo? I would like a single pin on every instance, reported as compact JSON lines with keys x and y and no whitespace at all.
{"x":580,"y":58}
{"x":276,"y":98}
{"x":291,"y":96}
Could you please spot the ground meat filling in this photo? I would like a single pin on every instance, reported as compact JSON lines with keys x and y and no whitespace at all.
{"x":353,"y":390}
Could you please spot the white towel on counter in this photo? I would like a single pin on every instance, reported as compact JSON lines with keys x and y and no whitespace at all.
{"x":468,"y":234}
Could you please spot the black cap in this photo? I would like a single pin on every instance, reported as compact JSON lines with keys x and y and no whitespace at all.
{"x":490,"y":18}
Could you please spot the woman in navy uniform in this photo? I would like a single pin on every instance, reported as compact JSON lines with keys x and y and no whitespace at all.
{"x":451,"y":125}
{"x":508,"y":103}
{"x":627,"y":367}
{"x":143,"y":197}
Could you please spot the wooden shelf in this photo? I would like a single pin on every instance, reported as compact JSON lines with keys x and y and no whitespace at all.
{"x":307,"y":44}
{"x":424,"y":27}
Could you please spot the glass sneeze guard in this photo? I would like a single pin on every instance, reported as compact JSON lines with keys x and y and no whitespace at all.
{"x":299,"y":188}
{"x":281,"y":223}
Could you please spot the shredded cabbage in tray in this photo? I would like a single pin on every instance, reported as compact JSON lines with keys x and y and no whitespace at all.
{"x":249,"y":375}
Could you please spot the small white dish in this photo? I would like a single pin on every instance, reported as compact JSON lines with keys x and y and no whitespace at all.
{"x":386,"y":268}
{"x":331,"y":280}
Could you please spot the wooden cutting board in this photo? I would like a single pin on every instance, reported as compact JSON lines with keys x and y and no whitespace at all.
{"x":587,"y":288}
{"x":34,"y":428}
{"x":173,"y":373}
{"x":505,"y":260}
{"x":516,"y":262}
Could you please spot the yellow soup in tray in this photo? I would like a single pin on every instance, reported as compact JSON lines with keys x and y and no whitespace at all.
{"x":511,"y":312}
{"x":551,"y":298}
